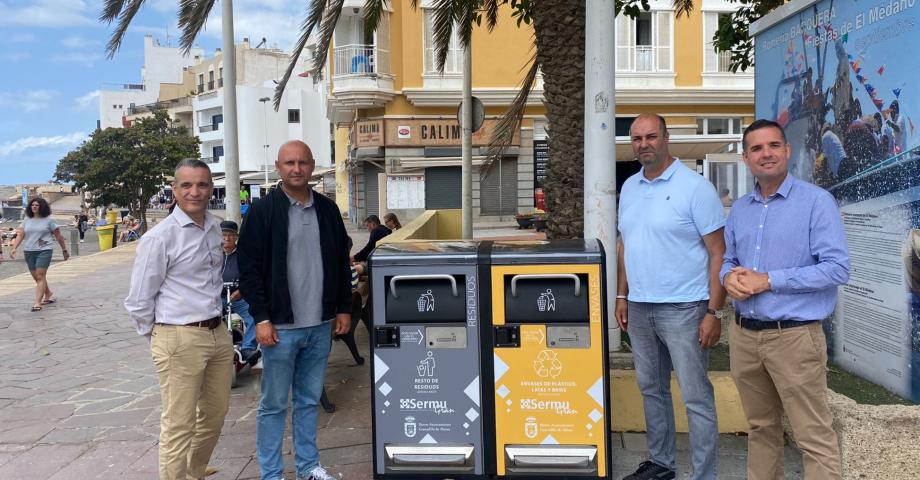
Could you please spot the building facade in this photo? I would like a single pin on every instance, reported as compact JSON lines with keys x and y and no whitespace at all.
{"x":396,"y":116}
{"x":164,"y":76}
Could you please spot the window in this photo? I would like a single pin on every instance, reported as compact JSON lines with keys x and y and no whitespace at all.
{"x":714,"y":62}
{"x":200,"y":79}
{"x":210,"y":75}
{"x":718,"y":126}
{"x":644,"y":44}
{"x":217,"y":152}
{"x":217,"y":120}
{"x":453,"y":64}
{"x":293,"y":115}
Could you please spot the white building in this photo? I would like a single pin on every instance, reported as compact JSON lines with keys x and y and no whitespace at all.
{"x":163,"y":65}
{"x":262,"y":130}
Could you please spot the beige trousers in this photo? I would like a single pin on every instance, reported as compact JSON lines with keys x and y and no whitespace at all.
{"x":195,"y":368}
{"x":779,"y":371}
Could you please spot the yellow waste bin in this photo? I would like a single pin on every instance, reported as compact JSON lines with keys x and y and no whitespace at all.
{"x":111,"y":217}
{"x":106,"y":236}
{"x":550,"y":359}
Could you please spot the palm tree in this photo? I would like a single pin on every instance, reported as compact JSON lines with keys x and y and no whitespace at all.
{"x":559,"y":54}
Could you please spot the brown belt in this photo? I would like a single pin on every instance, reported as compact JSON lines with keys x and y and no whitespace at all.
{"x":210,"y":323}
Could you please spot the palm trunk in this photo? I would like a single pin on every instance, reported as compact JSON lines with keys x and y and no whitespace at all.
{"x":560,"y":32}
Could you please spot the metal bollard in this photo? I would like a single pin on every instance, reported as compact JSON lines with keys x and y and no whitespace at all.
{"x":74,"y":242}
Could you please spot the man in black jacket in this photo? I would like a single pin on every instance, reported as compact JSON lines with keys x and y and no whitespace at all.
{"x":295,"y":276}
{"x":378,"y":231}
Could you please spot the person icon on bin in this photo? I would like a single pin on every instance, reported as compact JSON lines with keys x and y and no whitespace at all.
{"x":426,"y":366}
{"x":426,"y":302}
{"x":546,"y":302}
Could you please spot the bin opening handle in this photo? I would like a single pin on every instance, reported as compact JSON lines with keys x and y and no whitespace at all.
{"x":570,"y":276}
{"x":441,"y":276}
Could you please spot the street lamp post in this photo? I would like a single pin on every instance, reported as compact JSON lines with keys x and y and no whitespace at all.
{"x":265,"y":101}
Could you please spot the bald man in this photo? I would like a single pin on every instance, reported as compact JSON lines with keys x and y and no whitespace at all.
{"x":669,"y":297}
{"x":294,"y":274}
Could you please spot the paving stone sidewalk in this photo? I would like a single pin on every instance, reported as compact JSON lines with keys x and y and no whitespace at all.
{"x":79,"y":398}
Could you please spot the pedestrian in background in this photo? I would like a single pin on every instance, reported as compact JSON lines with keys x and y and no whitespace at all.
{"x":174,"y":301}
{"x":785,"y":256}
{"x":392,"y":222}
{"x":294,"y":273}
{"x":36,"y":235}
{"x":669,"y":297}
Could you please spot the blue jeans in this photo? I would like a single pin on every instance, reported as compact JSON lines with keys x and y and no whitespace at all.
{"x":241,"y":308}
{"x":666,"y":335}
{"x":296,"y":363}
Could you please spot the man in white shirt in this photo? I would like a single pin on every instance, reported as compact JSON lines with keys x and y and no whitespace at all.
{"x":174,"y":301}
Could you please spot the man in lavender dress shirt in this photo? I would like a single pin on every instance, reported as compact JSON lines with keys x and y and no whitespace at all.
{"x":785,"y":256}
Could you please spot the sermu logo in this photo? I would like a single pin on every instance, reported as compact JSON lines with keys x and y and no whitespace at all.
{"x":560,"y":407}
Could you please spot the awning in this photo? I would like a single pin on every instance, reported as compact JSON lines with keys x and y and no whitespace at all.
{"x":683,"y":146}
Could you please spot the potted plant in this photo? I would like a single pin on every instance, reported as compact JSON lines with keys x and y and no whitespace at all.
{"x":539,"y":222}
{"x":524,"y":220}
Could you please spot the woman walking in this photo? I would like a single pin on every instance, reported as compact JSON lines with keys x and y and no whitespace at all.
{"x":35,"y":235}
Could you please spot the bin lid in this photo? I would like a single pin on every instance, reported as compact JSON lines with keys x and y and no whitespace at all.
{"x":425,"y":252}
{"x":546,"y":251}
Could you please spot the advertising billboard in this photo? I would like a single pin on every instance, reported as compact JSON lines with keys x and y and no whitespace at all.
{"x":840,"y":76}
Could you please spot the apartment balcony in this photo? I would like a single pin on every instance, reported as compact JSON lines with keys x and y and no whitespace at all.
{"x":361,"y":77}
{"x":644,"y":66}
{"x":210,"y":160}
{"x":717,"y":72}
{"x":211,"y":85}
{"x":174,"y":106}
{"x":209,"y":132}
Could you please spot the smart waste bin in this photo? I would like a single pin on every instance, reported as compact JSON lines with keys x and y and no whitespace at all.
{"x":427,"y":409}
{"x":551,"y":393}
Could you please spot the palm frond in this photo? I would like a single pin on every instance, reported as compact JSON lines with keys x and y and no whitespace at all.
{"x":443,"y":19}
{"x":326,"y":30}
{"x":128,"y":10}
{"x":373,"y":11}
{"x":193,"y":15}
{"x":510,"y":122}
{"x":491,"y":8}
{"x":683,"y":7}
{"x":466,"y":15}
{"x":314,"y":16}
{"x":110,"y":10}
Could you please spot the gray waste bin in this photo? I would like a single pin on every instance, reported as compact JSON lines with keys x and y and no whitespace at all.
{"x":427,"y":413}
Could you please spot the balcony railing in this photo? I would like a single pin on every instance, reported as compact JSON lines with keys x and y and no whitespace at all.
{"x":211,"y":85}
{"x":210,"y":159}
{"x":208,"y":128}
{"x":200,"y":88}
{"x":177,"y":102}
{"x":725,"y":62}
{"x":644,"y":58}
{"x":360,"y":60}
{"x":220,"y":82}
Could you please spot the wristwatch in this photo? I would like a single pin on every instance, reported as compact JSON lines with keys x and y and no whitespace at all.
{"x":719,"y":314}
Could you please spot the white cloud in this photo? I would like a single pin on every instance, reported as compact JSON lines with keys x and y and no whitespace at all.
{"x":18,"y":146}
{"x":22,"y":38}
{"x":46,"y":13}
{"x":28,"y":101}
{"x":16,"y":56}
{"x":77,"y":42}
{"x":85,"y":58}
{"x":88,"y":100}
{"x":277,"y":20}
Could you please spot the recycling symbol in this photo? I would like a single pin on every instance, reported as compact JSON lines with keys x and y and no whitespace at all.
{"x":547,"y":364}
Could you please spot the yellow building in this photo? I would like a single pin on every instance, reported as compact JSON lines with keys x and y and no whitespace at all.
{"x":395,"y":116}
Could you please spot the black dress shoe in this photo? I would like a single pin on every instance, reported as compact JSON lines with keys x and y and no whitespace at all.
{"x":649,"y":470}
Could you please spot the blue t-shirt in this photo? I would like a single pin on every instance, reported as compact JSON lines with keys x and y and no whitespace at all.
{"x":662,"y":223}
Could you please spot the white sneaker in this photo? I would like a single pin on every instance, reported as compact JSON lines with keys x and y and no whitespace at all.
{"x":319,"y":473}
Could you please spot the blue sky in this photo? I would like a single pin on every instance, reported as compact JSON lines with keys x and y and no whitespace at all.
{"x":54,"y":64}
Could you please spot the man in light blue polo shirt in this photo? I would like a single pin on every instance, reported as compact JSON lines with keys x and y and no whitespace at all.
{"x":668,"y":296}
